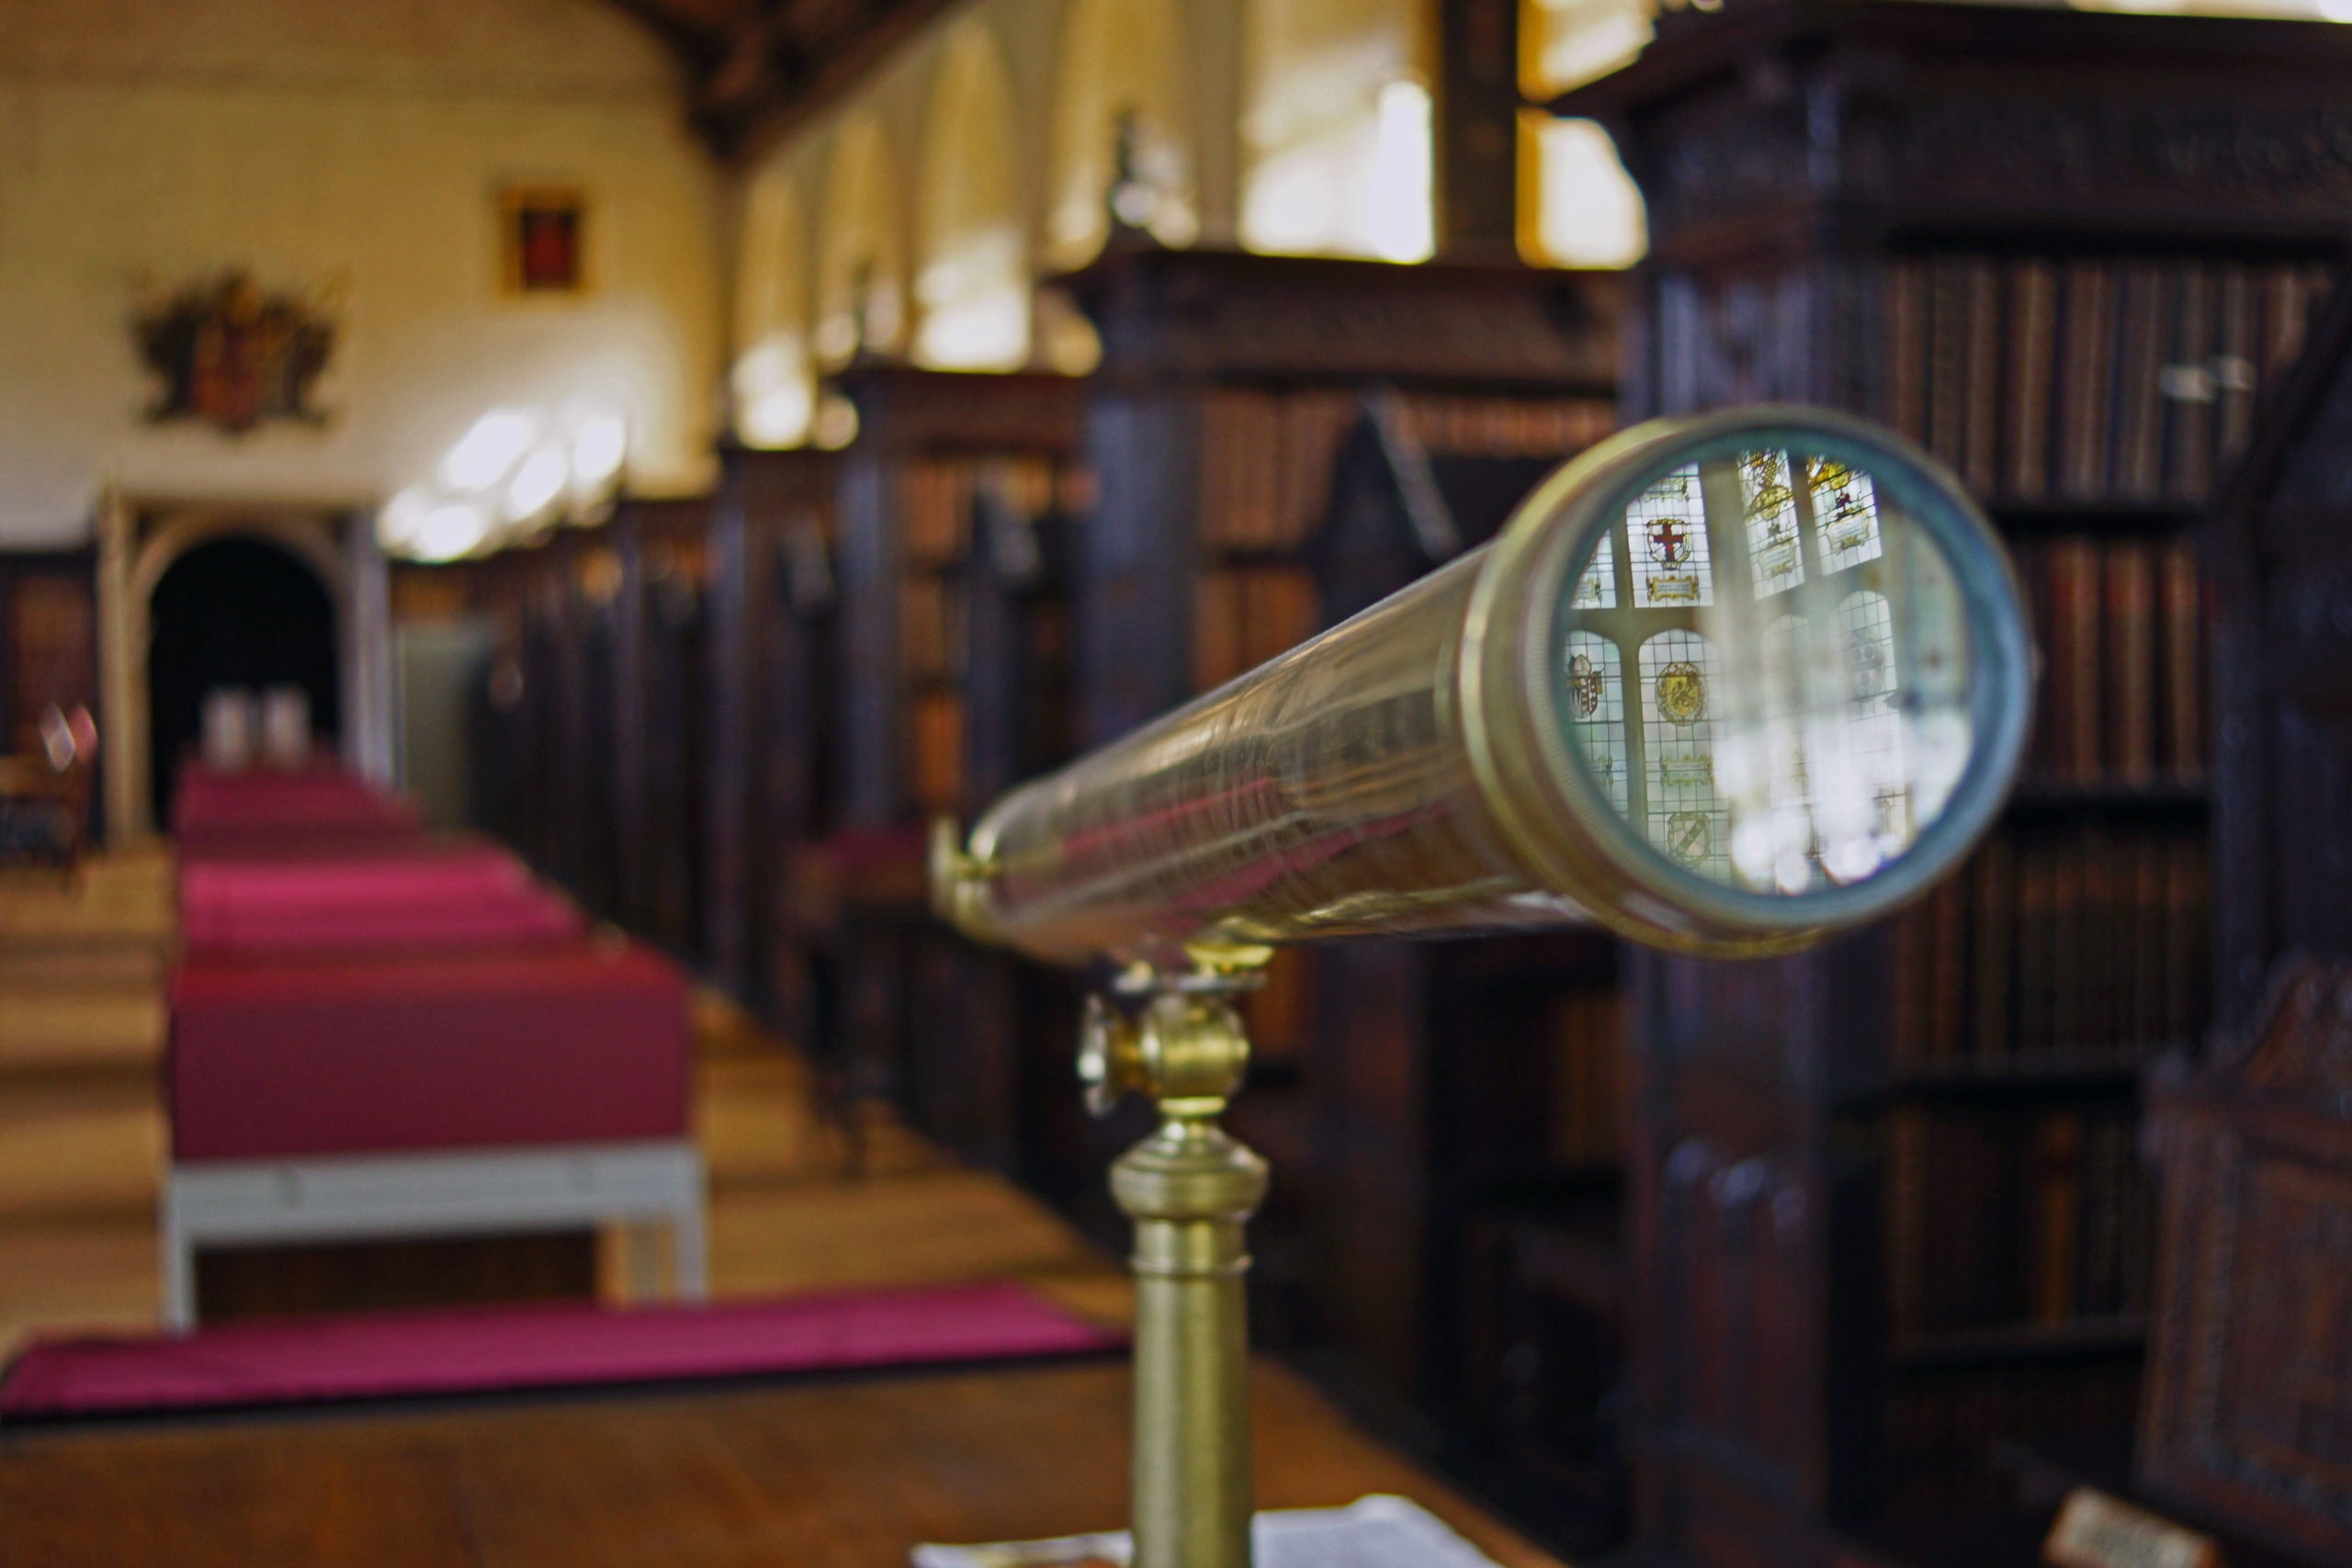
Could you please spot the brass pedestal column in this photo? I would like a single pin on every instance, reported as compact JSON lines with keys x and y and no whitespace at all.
{"x":1190,"y":1190}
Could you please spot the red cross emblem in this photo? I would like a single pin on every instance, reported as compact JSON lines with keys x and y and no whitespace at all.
{"x":1670,"y":542}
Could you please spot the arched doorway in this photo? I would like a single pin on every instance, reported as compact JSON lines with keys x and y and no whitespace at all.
{"x":234,"y":611}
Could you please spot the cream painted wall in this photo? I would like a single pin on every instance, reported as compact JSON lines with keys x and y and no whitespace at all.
{"x":358,"y":146}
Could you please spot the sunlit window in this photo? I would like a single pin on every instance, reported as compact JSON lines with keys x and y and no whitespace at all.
{"x":972,"y":288}
{"x":1337,"y":130}
{"x":860,"y":262}
{"x":1577,"y":205}
{"x":1566,"y":43}
{"x":1122,"y":117}
{"x":772,"y":383}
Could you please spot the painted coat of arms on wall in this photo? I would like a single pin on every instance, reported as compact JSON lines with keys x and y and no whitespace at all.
{"x":232,"y":355}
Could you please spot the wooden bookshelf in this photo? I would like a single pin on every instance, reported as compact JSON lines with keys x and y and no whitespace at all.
{"x":952,"y":683}
{"x":1889,"y":1205}
{"x":765,"y":719}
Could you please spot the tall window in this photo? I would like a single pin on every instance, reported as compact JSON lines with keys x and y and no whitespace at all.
{"x":773,"y":383}
{"x":972,"y":281}
{"x":1577,"y":206}
{"x":860,"y":262}
{"x":1335,"y":130}
{"x":1123,"y":129}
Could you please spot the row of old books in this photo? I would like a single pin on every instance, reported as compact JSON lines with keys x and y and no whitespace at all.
{"x":2122,"y":627}
{"x":933,"y":742}
{"x":937,"y":496}
{"x":1587,"y":1043}
{"x":2052,"y":948}
{"x":1941,"y":1426}
{"x":931,"y":630}
{"x":1244,"y":615}
{"x":2008,"y":1218}
{"x":52,"y":645}
{"x":1266,"y":457}
{"x":2089,"y":380}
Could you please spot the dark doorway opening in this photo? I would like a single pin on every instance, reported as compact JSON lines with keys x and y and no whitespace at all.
{"x":235,"y":611}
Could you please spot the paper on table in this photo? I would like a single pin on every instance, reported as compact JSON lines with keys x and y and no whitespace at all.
{"x":1379,"y":1531}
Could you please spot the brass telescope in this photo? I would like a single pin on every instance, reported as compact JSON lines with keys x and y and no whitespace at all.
{"x":1723,"y":685}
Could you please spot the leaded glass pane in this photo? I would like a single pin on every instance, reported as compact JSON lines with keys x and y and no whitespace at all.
{"x":1666,"y":529}
{"x":1772,"y":547}
{"x":1687,"y":818}
{"x":1845,"y":514}
{"x":1597,"y":589}
{"x":1597,"y":711}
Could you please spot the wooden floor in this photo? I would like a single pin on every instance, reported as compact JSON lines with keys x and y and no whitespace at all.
{"x":817,"y":1473}
{"x":82,"y":1143}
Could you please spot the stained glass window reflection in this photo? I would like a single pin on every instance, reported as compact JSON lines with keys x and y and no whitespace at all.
{"x":1844,"y":512}
{"x":1870,"y":804}
{"x":1787,"y":739}
{"x":1597,"y":589}
{"x":1595,"y":704}
{"x":1665,"y":530}
{"x":1772,"y":547}
{"x":1687,"y":818}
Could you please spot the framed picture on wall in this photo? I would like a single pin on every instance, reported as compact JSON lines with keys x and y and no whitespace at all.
{"x":543,"y":240}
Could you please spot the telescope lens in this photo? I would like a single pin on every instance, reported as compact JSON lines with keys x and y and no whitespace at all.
{"x":1766,"y":669}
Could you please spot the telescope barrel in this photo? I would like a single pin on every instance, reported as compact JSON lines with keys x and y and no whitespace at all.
{"x":1635,"y":708}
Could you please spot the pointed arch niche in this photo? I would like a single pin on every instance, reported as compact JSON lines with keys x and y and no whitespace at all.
{"x":861,"y":249}
{"x":972,"y":275}
{"x":773,"y":379}
{"x":1337,"y":150}
{"x":1121,"y":77}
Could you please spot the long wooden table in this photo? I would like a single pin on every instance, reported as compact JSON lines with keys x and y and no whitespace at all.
{"x":844,"y":1473}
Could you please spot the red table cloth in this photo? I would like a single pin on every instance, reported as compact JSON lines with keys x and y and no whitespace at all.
{"x":301,"y":1056}
{"x":208,"y":804}
{"x":432,"y":895}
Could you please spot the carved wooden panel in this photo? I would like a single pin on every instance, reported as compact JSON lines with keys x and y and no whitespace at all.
{"x":1935,"y":118}
{"x":2249,"y":1411}
{"x":1223,"y":313}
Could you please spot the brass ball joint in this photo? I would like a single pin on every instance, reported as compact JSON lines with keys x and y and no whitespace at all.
{"x":1723,"y":685}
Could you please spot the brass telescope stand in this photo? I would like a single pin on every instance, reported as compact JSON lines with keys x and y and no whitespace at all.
{"x":1190,"y":1190}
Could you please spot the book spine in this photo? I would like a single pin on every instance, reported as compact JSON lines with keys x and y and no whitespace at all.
{"x":2130,"y":696}
{"x":1907,"y":1222}
{"x":1946,"y":359}
{"x":2189,"y":386}
{"x":2106,"y":1162}
{"x":2148,"y":955}
{"x":2034,"y":337}
{"x":1907,"y":353}
{"x":2072,"y":680}
{"x":2086,"y":380}
{"x":2036,"y":901}
{"x":1994,"y":875}
{"x":2058,"y":1204}
{"x":1218,"y":648}
{"x":2067,"y":948}
{"x":2234,"y":367}
{"x":1947,"y":1017}
{"x":2182,"y":678}
{"x":1981,"y":397}
{"x":2139,"y":453}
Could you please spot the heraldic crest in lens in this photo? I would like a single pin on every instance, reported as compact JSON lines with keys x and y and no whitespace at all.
{"x":1681,"y":693}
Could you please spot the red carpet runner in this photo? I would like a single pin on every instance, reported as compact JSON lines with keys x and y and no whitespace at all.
{"x":479,"y":1350}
